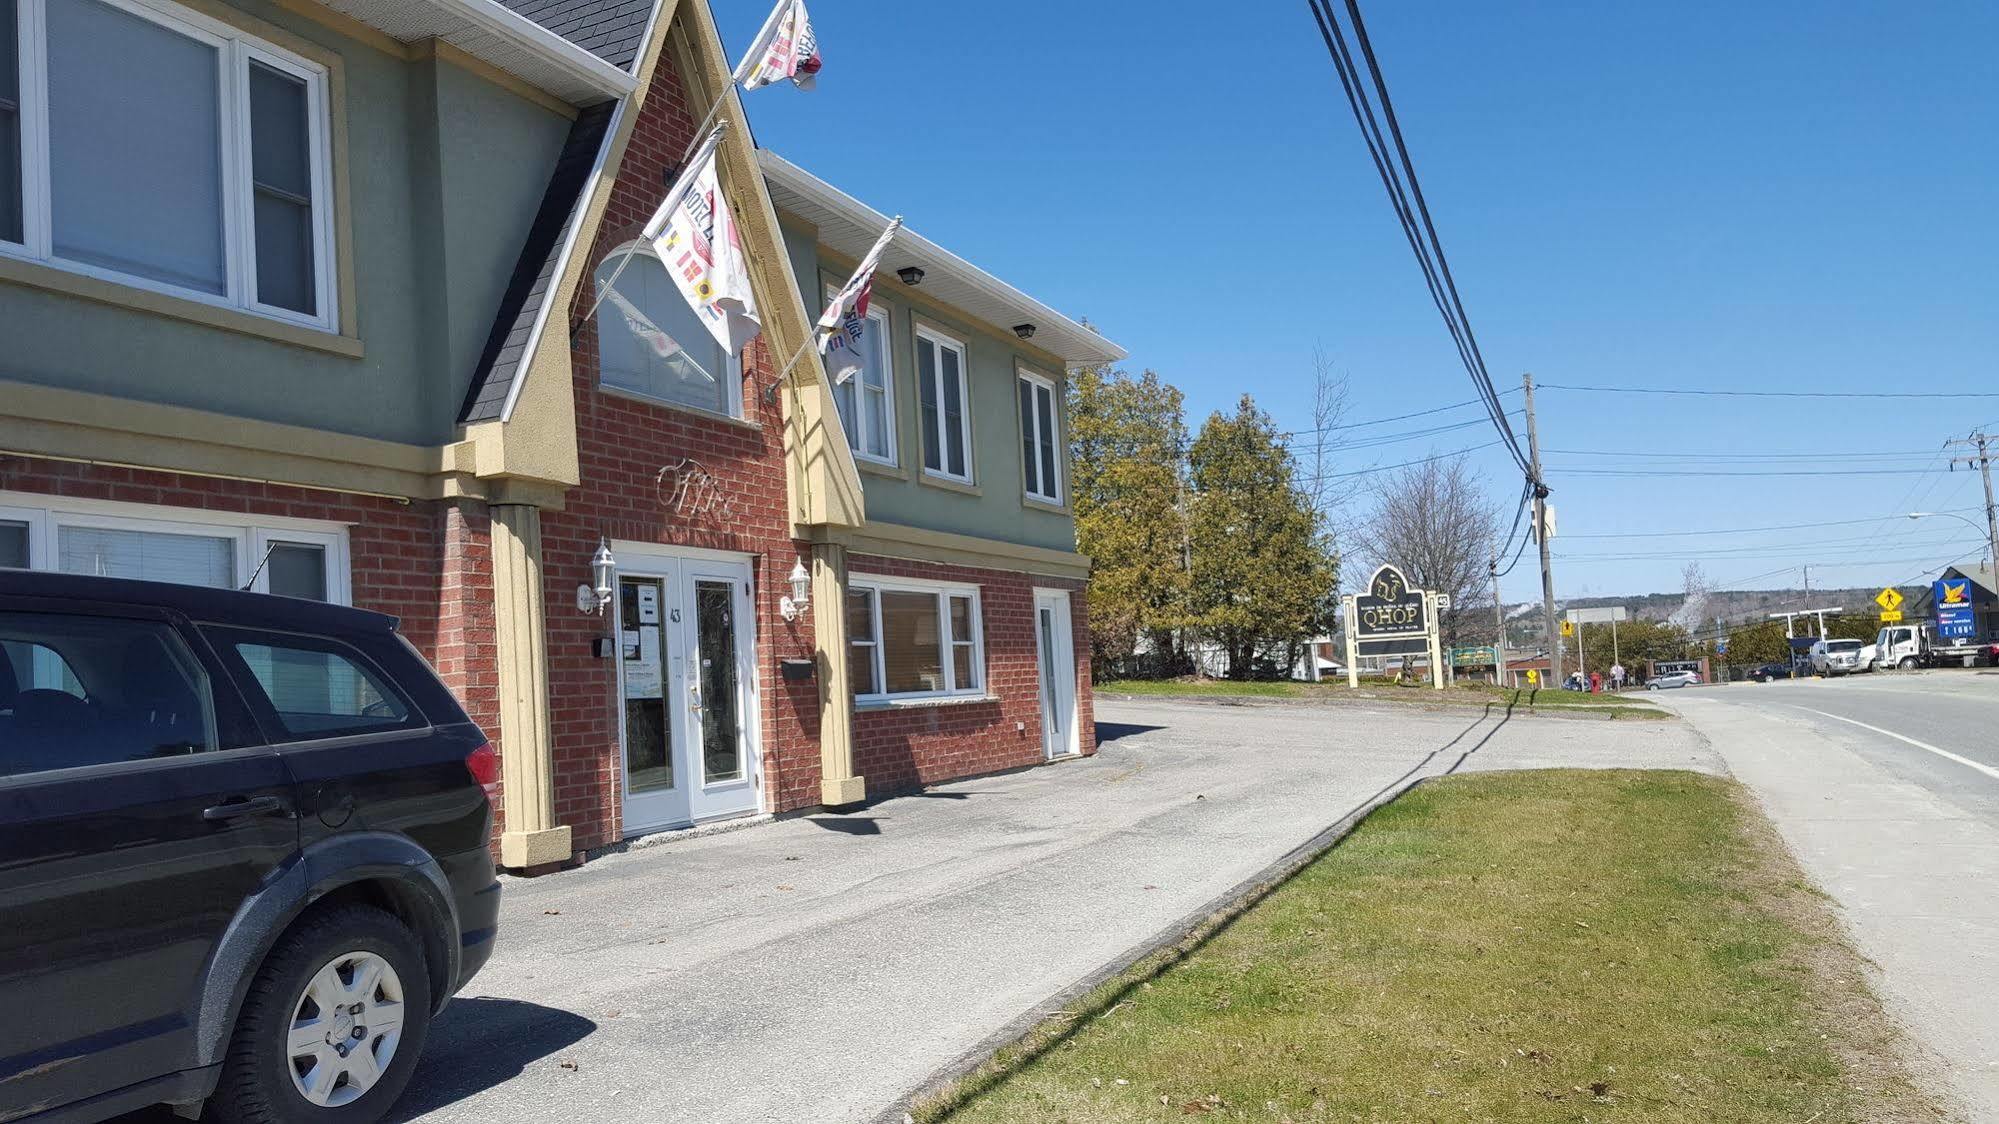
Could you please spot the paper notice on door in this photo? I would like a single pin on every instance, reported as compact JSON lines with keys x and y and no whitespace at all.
{"x":628,"y":643}
{"x":642,"y":673}
{"x":648,"y":604}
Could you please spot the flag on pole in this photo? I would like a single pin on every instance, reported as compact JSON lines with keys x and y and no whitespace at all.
{"x":785,"y":48}
{"x":845,"y":321}
{"x":694,"y":233}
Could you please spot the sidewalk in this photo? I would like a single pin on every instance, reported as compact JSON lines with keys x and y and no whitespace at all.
{"x":820,"y":968}
{"x":1916,"y":878}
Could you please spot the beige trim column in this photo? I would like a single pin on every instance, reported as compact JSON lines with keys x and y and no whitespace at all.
{"x":527,"y":764}
{"x":837,"y":783}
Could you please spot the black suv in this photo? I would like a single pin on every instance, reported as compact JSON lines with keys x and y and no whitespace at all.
{"x":242,"y":853}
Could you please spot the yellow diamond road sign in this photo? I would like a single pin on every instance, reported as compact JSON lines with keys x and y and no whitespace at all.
{"x":1888,"y":599}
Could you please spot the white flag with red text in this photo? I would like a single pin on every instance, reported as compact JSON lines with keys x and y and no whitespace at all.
{"x":695,"y":235}
{"x":845,"y":321}
{"x":785,"y":48}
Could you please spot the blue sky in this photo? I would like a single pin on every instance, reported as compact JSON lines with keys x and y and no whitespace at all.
{"x":1769,"y":196}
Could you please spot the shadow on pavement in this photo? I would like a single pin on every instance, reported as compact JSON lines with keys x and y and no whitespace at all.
{"x":854,"y":825}
{"x":479,"y":1043}
{"x":1112,"y":731}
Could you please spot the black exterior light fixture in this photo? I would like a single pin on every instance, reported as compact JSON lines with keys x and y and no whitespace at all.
{"x":911,"y":275}
{"x":1024,"y":331}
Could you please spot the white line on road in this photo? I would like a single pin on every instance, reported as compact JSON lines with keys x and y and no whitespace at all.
{"x":1986,"y":769}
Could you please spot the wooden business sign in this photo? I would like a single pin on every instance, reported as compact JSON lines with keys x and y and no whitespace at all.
{"x":1393,"y":618}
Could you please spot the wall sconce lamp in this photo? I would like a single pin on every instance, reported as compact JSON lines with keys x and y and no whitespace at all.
{"x":910,"y":275}
{"x":592,"y":597}
{"x":1024,"y":331}
{"x":801,"y":593}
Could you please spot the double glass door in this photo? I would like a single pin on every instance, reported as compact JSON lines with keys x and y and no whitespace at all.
{"x":686,"y":688}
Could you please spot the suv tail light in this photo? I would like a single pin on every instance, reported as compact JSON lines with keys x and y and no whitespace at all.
{"x":484,"y":764}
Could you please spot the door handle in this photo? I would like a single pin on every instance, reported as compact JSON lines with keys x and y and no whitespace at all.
{"x":237,"y":809}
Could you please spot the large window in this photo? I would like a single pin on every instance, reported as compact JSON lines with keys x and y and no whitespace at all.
{"x":914,"y":639}
{"x":867,"y":399}
{"x":148,"y":144}
{"x":650,"y":342}
{"x":1039,"y":446}
{"x":115,"y":540}
{"x":947,"y":423}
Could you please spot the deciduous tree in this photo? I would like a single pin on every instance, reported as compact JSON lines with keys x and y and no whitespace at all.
{"x":1432,"y":521}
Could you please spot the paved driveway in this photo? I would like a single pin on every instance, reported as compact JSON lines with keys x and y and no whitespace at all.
{"x":820,"y":968}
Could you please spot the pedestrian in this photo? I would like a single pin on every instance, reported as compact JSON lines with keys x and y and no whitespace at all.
{"x":1617,"y":677}
{"x":1596,"y":682}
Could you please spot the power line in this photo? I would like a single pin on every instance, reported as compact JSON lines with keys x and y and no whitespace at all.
{"x":1649,"y":472}
{"x":1396,"y":418}
{"x":1768,"y":393}
{"x":1391,"y":438}
{"x":1824,"y":548}
{"x":1929,"y":454}
{"x":1404,"y":464}
{"x":1427,"y":248}
{"x":1750,"y":530}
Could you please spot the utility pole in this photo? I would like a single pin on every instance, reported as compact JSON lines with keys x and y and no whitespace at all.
{"x":1983,"y":460}
{"x":1555,"y":661}
{"x":1498,"y":628}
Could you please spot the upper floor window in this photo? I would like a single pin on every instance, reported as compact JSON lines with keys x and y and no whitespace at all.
{"x":650,"y":342}
{"x":144,"y":143}
{"x":867,"y":399}
{"x":947,"y":422}
{"x":1040,"y":464}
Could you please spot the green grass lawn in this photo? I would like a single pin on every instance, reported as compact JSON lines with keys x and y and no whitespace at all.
{"x":1545,"y":946}
{"x":1627,"y":705}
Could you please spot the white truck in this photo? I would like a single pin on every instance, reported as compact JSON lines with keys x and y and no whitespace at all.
{"x":1907,"y":646}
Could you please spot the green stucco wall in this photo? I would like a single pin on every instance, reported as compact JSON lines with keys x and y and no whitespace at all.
{"x":445,"y":172}
{"x":900,"y":495}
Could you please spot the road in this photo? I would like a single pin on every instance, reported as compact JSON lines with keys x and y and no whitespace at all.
{"x":822,"y":967}
{"x":1886,"y":787}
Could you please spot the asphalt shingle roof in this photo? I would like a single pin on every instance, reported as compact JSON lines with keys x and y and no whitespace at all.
{"x":536,"y":272}
{"x":609,"y":29}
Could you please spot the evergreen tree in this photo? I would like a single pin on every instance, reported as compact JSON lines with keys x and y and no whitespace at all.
{"x":1262,"y":574}
{"x":1129,"y":439}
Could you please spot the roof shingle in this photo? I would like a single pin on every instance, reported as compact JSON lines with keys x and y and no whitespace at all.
{"x":609,"y":29}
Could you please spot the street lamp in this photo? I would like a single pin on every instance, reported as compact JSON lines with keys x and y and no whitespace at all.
{"x":1982,"y":531}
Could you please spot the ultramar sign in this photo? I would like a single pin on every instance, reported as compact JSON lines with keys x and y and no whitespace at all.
{"x":1392,"y":618}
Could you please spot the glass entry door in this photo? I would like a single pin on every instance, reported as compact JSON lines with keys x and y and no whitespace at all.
{"x":1055,"y":656}
{"x":686,"y":688}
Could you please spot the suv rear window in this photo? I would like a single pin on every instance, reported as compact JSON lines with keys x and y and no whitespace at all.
{"x":316,"y":687}
{"x":84,"y":690}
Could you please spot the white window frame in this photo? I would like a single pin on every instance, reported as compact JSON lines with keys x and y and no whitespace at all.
{"x":250,"y":534}
{"x":732,"y":361}
{"x":235,"y":49}
{"x":1048,"y":495}
{"x":940,"y":340}
{"x":948,"y":642}
{"x":878,"y":321}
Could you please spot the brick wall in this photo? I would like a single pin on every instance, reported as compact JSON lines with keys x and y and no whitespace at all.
{"x":623,"y":444}
{"x":901,"y":749}
{"x":422,"y":562}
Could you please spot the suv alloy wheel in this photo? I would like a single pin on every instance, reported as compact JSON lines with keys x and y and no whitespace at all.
{"x":333,"y":1025}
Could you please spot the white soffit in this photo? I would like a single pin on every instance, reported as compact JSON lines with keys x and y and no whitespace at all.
{"x":494,"y":34}
{"x":850,"y":227}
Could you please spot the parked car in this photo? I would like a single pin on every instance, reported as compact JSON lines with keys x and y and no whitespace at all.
{"x":243,"y":853}
{"x":1769,"y":672}
{"x":1836,"y":657}
{"x":1673,"y":679}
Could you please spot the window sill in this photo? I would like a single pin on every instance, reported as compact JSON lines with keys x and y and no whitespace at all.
{"x":880,"y":468}
{"x":922,"y":703}
{"x":55,"y":279}
{"x":950,"y":485}
{"x":1037,"y":503}
{"x":677,"y":407}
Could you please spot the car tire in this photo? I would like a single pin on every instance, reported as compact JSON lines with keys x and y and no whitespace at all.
{"x":334,"y":952}
{"x":1908,"y":663}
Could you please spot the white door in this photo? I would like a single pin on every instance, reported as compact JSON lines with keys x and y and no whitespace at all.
{"x":1055,"y":652}
{"x":686,"y":687}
